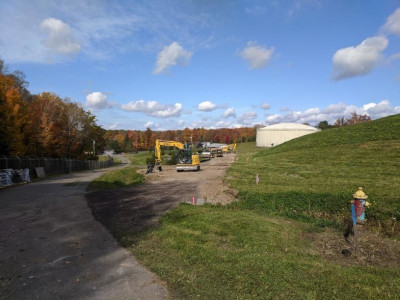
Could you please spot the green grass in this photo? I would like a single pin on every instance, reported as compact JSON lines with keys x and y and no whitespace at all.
{"x":103,"y":157}
{"x":221,"y":253}
{"x":314,"y":177}
{"x":118,"y":178}
{"x":139,"y":158}
{"x":117,"y":161}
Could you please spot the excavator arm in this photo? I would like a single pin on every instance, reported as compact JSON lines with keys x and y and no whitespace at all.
{"x":160,"y":143}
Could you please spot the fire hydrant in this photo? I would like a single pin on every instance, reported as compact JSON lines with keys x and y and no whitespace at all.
{"x":359,"y":201}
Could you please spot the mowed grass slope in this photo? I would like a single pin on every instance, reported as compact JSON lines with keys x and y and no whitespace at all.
{"x":220,"y":253}
{"x":314,"y":177}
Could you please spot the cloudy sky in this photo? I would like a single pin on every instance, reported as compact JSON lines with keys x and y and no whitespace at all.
{"x":170,"y":64}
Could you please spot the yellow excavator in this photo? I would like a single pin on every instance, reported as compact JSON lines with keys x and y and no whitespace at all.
{"x":229,"y":148}
{"x":186,"y":160}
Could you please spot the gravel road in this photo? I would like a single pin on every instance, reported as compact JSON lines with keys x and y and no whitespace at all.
{"x":52,"y":248}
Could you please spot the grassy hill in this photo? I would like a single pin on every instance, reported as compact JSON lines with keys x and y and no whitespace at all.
{"x":313,"y":178}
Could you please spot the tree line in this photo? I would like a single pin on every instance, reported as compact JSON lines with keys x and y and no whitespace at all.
{"x":137,"y":140}
{"x":43,"y":125}
{"x":353,"y":119}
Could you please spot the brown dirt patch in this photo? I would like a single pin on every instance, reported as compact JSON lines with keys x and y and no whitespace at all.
{"x":373,"y":249}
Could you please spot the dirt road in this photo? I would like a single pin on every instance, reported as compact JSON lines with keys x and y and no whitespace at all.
{"x":52,"y":248}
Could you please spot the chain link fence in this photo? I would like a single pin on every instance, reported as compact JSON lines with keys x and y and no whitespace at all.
{"x":52,"y":165}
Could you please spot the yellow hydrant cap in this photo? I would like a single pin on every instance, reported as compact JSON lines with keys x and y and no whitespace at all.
{"x":360,"y":194}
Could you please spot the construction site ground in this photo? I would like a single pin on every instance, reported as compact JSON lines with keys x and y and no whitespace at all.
{"x":132,"y":210}
{"x":209,"y":185}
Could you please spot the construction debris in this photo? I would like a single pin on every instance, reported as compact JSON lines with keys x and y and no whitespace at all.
{"x":9,"y":176}
{"x":6,"y":177}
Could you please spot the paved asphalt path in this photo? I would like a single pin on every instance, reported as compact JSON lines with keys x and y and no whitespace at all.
{"x":52,"y":248}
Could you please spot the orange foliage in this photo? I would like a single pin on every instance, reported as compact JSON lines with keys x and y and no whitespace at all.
{"x":43,"y":125}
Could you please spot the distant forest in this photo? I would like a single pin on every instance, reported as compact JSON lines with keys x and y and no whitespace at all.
{"x":136,"y":140}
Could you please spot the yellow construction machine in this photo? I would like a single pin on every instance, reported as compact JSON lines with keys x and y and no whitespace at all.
{"x":229,"y":148}
{"x":186,"y":160}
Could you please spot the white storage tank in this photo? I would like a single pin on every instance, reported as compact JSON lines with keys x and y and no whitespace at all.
{"x":276,"y":134}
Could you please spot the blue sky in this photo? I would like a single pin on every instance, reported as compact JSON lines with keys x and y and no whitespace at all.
{"x":168,"y":64}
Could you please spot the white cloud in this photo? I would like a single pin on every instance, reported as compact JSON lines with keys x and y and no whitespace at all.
{"x":392,"y":24}
{"x":394,"y":57}
{"x":149,"y":124}
{"x":113,"y":126}
{"x":142,"y":106}
{"x":230,"y":112}
{"x":153,"y":108}
{"x":334,"y":112}
{"x":170,"y":56}
{"x":257,"y":56}
{"x":224,"y":124}
{"x":60,"y":39}
{"x":206,"y":106}
{"x":265,"y":106}
{"x":247,"y":118}
{"x":97,"y":100}
{"x":381,"y":109}
{"x":359,"y":60}
{"x":103,"y":30}
{"x":171,"y":111}
{"x":334,"y":109}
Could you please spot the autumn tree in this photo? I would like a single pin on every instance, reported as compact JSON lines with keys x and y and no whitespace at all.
{"x":186,"y":134}
{"x":43,"y":124}
{"x":354,"y":119}
{"x":13,"y":117}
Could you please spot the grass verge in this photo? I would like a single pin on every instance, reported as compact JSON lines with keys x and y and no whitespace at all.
{"x":117,"y":178}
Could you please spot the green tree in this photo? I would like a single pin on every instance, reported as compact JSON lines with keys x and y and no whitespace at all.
{"x":323,"y":125}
